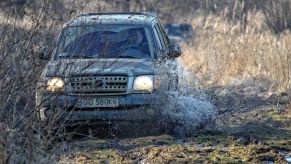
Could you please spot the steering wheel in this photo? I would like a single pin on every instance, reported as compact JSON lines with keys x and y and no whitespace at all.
{"x":136,"y":47}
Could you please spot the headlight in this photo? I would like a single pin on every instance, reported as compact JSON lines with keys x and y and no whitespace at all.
{"x":55,"y":84}
{"x":144,"y":83}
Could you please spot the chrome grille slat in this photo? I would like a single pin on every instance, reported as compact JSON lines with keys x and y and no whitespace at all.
{"x":95,"y":85}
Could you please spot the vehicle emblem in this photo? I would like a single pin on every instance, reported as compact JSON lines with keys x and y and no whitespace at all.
{"x":98,"y":83}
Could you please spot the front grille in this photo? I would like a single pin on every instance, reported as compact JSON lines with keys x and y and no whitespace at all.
{"x":94,"y":85}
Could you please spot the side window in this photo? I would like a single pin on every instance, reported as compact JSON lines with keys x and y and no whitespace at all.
{"x":165,"y":36}
{"x":160,"y":36}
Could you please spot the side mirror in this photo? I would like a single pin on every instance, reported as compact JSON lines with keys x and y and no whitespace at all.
{"x":174,"y":51}
{"x":42,"y":52}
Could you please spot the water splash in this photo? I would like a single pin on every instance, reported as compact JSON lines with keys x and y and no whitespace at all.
{"x":288,"y":158}
{"x":189,"y":108}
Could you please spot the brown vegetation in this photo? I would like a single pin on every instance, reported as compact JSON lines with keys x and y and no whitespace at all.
{"x":235,"y":41}
{"x":221,"y":55}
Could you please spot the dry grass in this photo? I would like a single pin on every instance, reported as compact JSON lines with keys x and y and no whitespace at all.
{"x":221,"y":55}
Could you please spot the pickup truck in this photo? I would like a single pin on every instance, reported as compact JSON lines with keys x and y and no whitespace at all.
{"x":107,"y":66}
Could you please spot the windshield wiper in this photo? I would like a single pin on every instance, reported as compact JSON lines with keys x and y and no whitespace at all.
{"x":127,"y":56}
{"x":79,"y":56}
{"x":83,"y":57}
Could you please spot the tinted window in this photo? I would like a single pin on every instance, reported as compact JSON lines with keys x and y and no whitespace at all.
{"x":106,"y":41}
{"x":165,"y":37}
{"x":160,"y":36}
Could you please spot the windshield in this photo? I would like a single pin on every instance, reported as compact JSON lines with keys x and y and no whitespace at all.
{"x":106,"y":41}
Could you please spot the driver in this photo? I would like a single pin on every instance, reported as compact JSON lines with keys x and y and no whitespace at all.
{"x":135,"y":37}
{"x":136,"y":42}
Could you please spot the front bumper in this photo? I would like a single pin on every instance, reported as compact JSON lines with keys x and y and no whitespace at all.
{"x":132,"y":107}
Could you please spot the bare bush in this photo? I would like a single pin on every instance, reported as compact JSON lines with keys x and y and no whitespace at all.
{"x":220,"y":55}
{"x":278,"y":16}
{"x":23,"y":138}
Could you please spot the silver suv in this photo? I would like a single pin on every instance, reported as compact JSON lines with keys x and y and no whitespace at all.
{"x":107,"y":66}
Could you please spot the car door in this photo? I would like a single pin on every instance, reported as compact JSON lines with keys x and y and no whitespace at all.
{"x":162,"y":66}
{"x":172,"y":65}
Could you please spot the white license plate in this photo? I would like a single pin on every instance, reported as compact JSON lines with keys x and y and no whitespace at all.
{"x":97,"y":102}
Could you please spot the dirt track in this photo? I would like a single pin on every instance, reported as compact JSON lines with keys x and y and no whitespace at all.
{"x":249,"y":128}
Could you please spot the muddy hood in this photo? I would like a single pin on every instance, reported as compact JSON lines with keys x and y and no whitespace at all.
{"x":131,"y":67}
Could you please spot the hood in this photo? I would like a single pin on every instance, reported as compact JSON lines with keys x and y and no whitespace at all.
{"x":69,"y":67}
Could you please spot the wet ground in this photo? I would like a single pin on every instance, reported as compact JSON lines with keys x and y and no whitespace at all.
{"x":245,"y":128}
{"x":246,"y":142}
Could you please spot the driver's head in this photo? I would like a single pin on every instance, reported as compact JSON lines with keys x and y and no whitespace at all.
{"x":135,"y":36}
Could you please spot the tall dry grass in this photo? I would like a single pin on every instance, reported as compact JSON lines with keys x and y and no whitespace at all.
{"x":222,"y":55}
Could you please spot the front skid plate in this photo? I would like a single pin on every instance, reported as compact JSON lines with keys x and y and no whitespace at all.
{"x":138,"y":114}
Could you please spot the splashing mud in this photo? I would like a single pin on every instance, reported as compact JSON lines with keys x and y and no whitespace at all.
{"x":187,"y":109}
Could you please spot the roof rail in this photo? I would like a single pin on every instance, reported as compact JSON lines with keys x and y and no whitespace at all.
{"x":107,"y":13}
{"x":125,"y":13}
